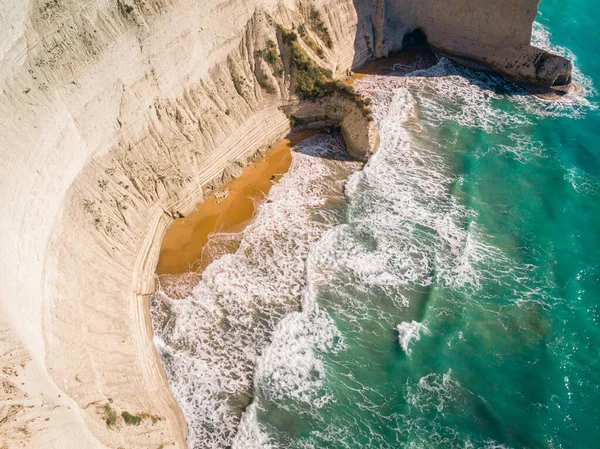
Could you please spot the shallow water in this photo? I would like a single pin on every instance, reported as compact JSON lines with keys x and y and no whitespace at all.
{"x":444,"y":296}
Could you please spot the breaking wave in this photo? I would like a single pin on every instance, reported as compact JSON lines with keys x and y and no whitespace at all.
{"x":409,"y":332}
{"x":212,"y":339}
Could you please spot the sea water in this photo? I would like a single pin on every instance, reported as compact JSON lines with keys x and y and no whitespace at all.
{"x":446,"y":295}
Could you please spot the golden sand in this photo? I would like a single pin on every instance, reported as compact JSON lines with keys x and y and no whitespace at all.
{"x":184,"y":242}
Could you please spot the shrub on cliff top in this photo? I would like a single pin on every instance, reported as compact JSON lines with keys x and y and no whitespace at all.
{"x":312,"y":44}
{"x":110,"y":416}
{"x":271,"y":56}
{"x":124,"y":8}
{"x":319,"y":27}
{"x":131,"y":420}
{"x":312,"y":81}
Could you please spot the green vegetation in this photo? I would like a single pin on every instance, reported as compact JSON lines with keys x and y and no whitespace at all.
{"x":312,"y":44}
{"x":361,"y":102}
{"x":320,"y":28}
{"x":131,"y":420}
{"x":124,"y":8}
{"x":49,"y":5}
{"x":149,"y":416}
{"x":227,"y":112}
{"x":110,"y":416}
{"x":271,"y":56}
{"x":312,"y":81}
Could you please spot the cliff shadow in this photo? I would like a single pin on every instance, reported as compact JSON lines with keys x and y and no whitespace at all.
{"x":326,"y":151}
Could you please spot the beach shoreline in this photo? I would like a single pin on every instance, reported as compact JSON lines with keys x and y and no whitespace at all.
{"x":232,"y":206}
{"x":227,"y":209}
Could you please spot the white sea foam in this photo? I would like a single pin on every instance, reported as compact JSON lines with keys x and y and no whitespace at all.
{"x":251,"y":434}
{"x":289,"y":368}
{"x":403,"y":200}
{"x":449,"y":92}
{"x":405,"y":230}
{"x":436,"y":391}
{"x":520,"y":147}
{"x":583,"y":182}
{"x":212,"y":340}
{"x":408,"y":332}
{"x":542,"y":38}
{"x":404,"y":197}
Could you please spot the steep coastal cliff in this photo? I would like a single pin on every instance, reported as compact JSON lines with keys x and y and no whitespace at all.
{"x":484,"y":35}
{"x":116,"y":115}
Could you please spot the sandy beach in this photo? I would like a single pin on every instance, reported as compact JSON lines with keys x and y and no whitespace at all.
{"x":230,"y":208}
{"x":227,"y":210}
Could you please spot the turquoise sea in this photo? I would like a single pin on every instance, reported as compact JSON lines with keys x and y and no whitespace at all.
{"x":447,"y":295}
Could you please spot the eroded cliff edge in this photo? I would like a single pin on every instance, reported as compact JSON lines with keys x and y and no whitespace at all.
{"x":115,"y":116}
{"x":485,"y":35}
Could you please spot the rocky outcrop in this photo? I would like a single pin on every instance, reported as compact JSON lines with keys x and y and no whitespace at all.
{"x":485,"y":35}
{"x":342,"y":110}
{"x":114,"y":115}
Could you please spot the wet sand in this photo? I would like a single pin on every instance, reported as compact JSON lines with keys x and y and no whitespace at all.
{"x":228,"y":210}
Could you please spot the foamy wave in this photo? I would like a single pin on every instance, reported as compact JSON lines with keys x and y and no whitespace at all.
{"x":448,"y":92}
{"x":212,"y":340}
{"x":404,"y":198}
{"x":289,"y":367}
{"x":409,"y":332}
{"x":251,"y":434}
{"x":520,"y":147}
{"x":436,"y":391}
{"x":252,"y":328}
{"x":576,"y":105}
{"x":542,"y":38}
{"x":583,"y":182}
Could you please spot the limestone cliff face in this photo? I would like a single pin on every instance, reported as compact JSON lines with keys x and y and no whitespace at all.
{"x":115,"y":116}
{"x":484,"y":34}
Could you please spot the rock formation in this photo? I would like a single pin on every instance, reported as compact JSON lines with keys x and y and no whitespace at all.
{"x":486,"y":35}
{"x":114,"y":115}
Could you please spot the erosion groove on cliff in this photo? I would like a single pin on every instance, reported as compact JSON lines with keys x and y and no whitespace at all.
{"x":116,"y":116}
